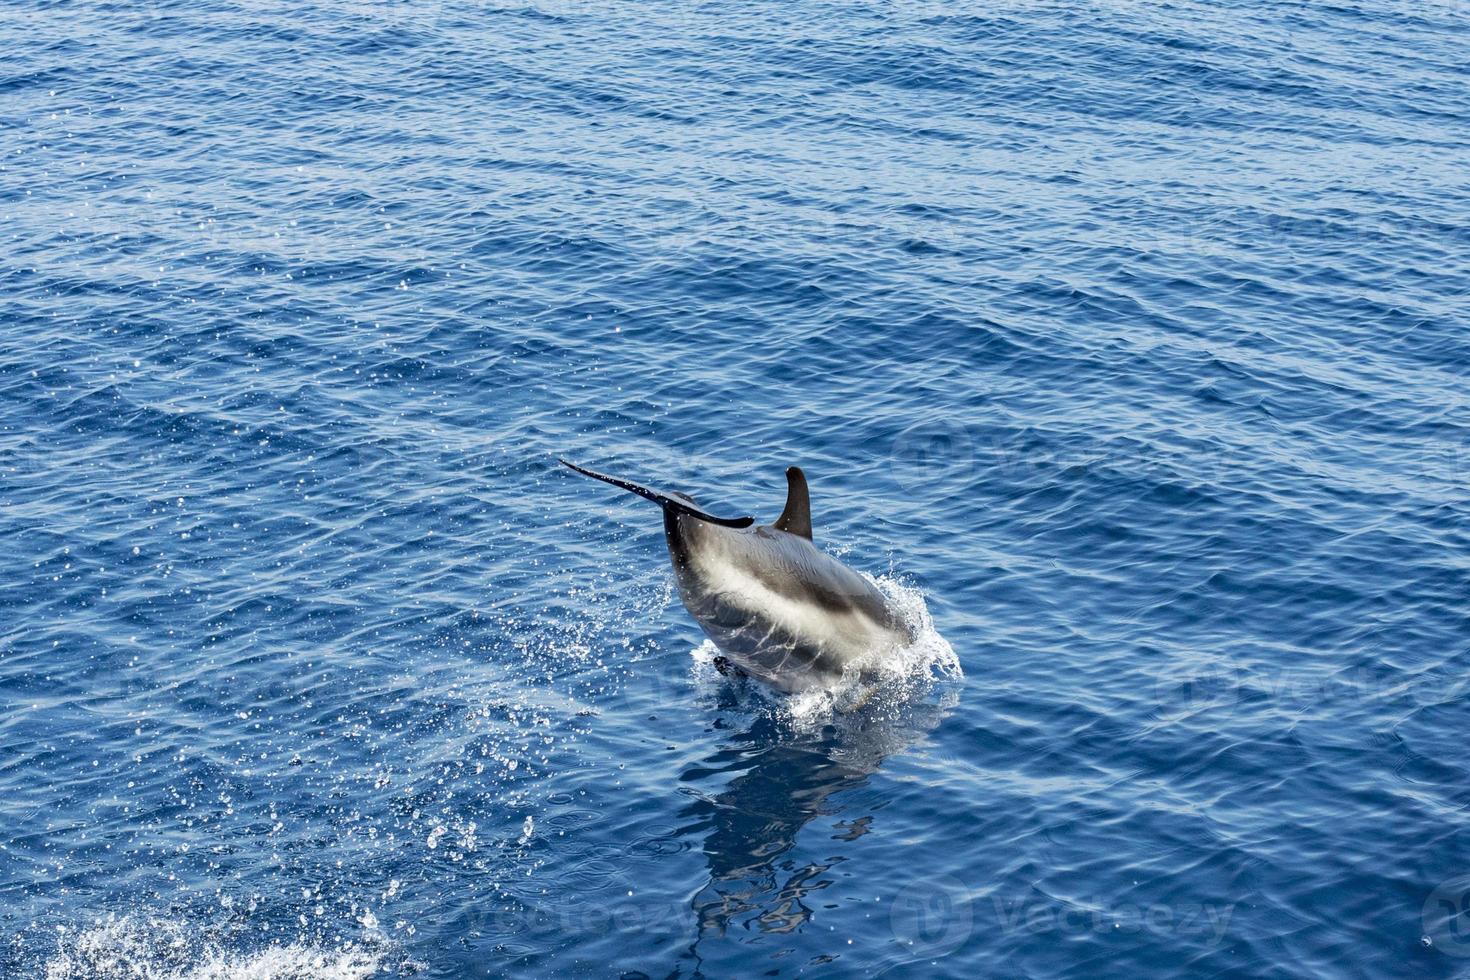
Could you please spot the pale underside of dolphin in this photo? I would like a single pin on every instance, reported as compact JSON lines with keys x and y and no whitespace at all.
{"x":776,"y":605}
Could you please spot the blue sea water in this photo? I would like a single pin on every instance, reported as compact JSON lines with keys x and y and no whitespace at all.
{"x":1126,"y":342}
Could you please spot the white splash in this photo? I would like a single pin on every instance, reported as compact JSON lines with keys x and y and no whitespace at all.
{"x":136,"y":948}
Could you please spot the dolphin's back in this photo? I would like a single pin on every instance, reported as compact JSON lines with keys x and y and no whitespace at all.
{"x":792,"y":563}
{"x":782,"y":608}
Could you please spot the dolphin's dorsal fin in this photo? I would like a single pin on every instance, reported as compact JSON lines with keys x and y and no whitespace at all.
{"x":797,"y":517}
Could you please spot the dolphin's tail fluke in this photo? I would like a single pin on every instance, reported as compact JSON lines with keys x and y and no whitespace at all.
{"x":664,"y":500}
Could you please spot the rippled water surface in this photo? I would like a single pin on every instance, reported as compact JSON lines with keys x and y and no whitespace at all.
{"x":1126,"y":341}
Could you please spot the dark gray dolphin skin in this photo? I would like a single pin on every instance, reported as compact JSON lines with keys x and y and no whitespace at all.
{"x":778,"y":607}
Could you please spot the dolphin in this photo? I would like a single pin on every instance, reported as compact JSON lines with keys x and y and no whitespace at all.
{"x":778,"y":607}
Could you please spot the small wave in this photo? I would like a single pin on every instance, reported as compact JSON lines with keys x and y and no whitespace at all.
{"x":146,"y":948}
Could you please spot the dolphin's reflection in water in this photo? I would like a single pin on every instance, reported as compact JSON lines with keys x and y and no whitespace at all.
{"x":752,"y":797}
